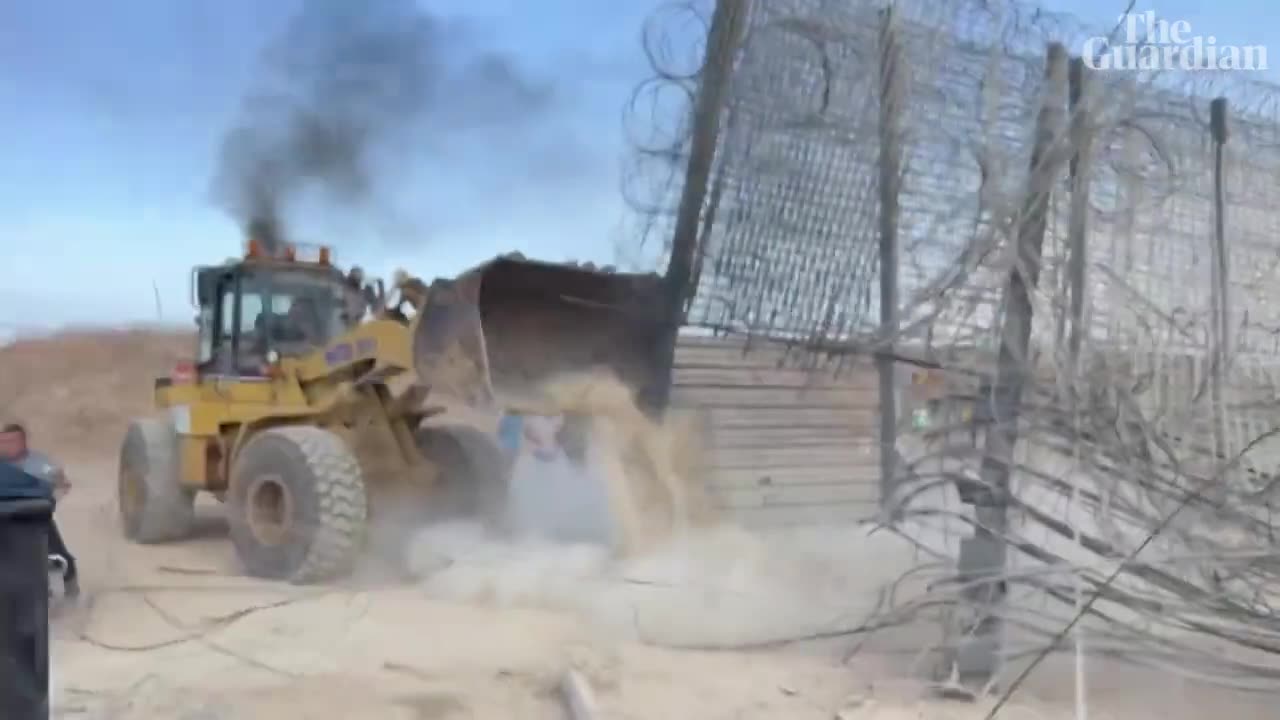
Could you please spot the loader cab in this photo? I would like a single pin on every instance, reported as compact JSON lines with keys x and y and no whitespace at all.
{"x":251,"y":309}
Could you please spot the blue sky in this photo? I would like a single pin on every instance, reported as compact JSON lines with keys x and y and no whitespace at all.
{"x":112,"y":114}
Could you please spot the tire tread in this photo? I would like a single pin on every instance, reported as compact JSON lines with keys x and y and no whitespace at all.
{"x":169,"y":511}
{"x":343,"y":503}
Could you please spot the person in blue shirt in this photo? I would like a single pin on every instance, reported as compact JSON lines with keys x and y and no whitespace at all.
{"x":510,"y":432}
{"x":14,"y":450}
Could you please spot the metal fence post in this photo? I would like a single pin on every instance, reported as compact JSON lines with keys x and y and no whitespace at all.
{"x":1078,"y":231}
{"x":1220,"y":310}
{"x":728,"y":22}
{"x":891,"y":97}
{"x":984,"y":557}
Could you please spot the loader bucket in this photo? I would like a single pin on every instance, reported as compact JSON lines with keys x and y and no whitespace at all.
{"x":499,"y":331}
{"x":504,"y":336}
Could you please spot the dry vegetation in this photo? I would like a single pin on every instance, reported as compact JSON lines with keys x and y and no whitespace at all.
{"x":76,"y":390}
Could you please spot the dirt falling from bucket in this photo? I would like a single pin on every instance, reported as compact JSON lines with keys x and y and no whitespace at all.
{"x":676,"y":573}
{"x":651,"y":471}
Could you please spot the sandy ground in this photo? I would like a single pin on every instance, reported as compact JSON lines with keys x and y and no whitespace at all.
{"x":173,"y":632}
{"x":488,"y":630}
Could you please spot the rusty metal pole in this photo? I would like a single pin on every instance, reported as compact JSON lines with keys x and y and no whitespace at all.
{"x":728,"y":23}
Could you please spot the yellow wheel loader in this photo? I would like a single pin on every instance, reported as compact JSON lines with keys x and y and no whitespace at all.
{"x":320,"y":411}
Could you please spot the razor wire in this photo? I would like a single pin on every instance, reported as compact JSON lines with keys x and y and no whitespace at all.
{"x":788,"y":251}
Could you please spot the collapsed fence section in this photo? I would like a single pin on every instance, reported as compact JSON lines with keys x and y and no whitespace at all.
{"x":1085,"y":260}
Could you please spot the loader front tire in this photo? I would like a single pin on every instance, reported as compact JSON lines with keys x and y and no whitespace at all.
{"x":474,"y":475}
{"x":154,"y":506}
{"x":297,"y":508}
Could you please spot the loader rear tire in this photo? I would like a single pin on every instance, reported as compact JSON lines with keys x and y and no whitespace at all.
{"x":297,"y":509}
{"x":154,"y":506}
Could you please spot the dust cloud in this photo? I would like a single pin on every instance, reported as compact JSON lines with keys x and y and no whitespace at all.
{"x":342,"y":96}
{"x":710,"y":587}
{"x":666,"y":570}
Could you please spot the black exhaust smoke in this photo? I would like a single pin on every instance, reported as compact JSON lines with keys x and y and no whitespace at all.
{"x":345,"y":82}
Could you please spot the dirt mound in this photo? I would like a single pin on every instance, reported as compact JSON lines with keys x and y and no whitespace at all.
{"x":76,"y":390}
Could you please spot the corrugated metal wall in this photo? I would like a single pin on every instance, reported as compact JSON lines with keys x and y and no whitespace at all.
{"x":787,"y":446}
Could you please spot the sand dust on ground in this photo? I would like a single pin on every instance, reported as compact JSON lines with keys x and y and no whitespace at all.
{"x":172,"y":632}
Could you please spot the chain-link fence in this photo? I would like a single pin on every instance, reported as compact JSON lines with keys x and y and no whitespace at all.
{"x":1083,"y":257}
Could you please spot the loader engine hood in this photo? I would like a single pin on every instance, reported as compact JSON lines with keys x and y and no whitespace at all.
{"x":495,"y":333}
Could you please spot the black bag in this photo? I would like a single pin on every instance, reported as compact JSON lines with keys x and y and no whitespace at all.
{"x":26,"y":509}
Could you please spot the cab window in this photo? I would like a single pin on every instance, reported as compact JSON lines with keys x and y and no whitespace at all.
{"x":291,"y":312}
{"x":208,"y":331}
{"x":248,"y":350}
{"x":228,"y":329}
{"x":250,"y":309}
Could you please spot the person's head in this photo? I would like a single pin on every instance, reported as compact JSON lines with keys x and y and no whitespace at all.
{"x":13,"y":441}
{"x":303,"y":317}
{"x":297,"y":312}
{"x":302,"y":307}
